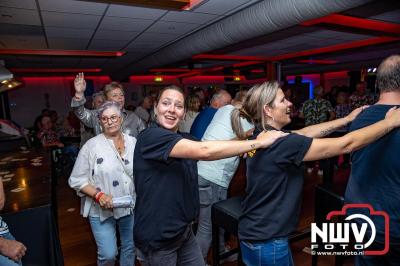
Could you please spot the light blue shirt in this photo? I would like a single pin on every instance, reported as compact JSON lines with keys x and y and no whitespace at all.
{"x":221,"y":171}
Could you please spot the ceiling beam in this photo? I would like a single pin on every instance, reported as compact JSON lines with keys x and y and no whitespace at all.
{"x":354,"y":22}
{"x":317,"y":61}
{"x":161,"y":4}
{"x":335,"y":48}
{"x":50,"y":52}
{"x":170,"y":70}
{"x":55,"y":70}
{"x":221,"y":57}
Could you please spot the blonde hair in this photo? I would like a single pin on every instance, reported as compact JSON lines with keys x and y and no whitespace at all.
{"x":111,"y":86}
{"x":193,"y":102}
{"x":253,"y":106}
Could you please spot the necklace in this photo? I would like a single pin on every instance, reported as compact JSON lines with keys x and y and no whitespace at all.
{"x":119,"y":144}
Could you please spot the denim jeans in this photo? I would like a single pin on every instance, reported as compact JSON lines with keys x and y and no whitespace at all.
{"x":5,"y":261}
{"x":184,"y":251}
{"x":105,"y":235}
{"x":209,"y":193}
{"x":272,"y":252}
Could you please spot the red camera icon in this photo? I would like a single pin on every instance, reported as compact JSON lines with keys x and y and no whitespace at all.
{"x":372,"y":212}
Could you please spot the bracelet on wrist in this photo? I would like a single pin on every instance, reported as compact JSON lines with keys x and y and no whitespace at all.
{"x":98,"y":196}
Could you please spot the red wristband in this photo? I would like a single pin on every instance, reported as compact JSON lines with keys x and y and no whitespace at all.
{"x":98,"y":196}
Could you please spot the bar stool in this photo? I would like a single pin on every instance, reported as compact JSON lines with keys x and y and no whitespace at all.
{"x":225,"y":214}
{"x":326,"y":200}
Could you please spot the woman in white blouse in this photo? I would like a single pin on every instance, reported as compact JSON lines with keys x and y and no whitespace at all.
{"x":103,"y":177}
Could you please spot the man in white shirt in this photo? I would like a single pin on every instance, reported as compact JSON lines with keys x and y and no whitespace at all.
{"x":215,"y":176}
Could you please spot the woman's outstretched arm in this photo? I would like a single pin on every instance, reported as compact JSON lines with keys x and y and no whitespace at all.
{"x":329,"y":147}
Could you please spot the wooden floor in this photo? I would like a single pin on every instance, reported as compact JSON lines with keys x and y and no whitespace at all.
{"x":79,"y":248}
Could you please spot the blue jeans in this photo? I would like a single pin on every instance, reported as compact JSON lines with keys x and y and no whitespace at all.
{"x":5,"y":261}
{"x":272,"y":252}
{"x":105,"y":235}
{"x":209,"y":193}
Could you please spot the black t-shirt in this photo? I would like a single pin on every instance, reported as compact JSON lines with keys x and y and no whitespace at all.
{"x":375,"y":175}
{"x":273,"y":194}
{"x":167,"y":190}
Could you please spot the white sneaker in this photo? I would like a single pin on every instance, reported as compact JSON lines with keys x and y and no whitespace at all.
{"x":320,"y":172}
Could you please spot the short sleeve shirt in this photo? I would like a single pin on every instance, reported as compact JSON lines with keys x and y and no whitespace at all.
{"x":316,"y":111}
{"x":166,"y":188}
{"x":358,"y":101}
{"x":201,"y":122}
{"x":221,"y":171}
{"x":375,"y":174}
{"x":3,"y":227}
{"x":271,"y":206}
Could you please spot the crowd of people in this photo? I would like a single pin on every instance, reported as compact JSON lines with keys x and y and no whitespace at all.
{"x":151,"y":173}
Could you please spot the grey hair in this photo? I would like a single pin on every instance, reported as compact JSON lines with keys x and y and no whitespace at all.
{"x":388,"y":75}
{"x":111,"y":86}
{"x":107,"y":105}
{"x":218,"y":95}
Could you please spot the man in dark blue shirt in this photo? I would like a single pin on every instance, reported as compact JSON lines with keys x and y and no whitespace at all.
{"x":203,"y":119}
{"x":375,"y":175}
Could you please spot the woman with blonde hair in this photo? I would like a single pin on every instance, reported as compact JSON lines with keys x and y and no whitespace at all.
{"x":193,"y":108}
{"x":271,"y":207}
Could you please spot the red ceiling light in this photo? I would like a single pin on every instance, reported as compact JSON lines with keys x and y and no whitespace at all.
{"x":55,"y":70}
{"x":192,"y":4}
{"x":62,"y":52}
{"x":243,"y":64}
{"x":170,"y":70}
{"x":318,"y":61}
{"x":353,"y":22}
{"x":221,"y":57}
{"x":189,"y":74}
{"x":335,"y":48}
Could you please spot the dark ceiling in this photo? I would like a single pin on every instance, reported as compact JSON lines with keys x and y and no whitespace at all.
{"x":70,"y":30}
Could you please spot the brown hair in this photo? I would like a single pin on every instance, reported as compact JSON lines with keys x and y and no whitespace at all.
{"x":253,"y":106}
{"x":171,"y":87}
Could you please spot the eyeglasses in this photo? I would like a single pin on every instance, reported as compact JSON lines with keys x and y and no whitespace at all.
{"x":113,"y":118}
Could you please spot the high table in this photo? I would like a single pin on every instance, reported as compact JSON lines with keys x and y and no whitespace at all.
{"x":30,"y":213}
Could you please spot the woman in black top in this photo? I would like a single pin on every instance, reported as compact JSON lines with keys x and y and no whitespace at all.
{"x":166,"y":182}
{"x":275,"y":175}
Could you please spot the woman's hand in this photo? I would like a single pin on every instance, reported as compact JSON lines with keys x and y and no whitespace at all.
{"x":393,"y":117}
{"x":12,"y":249}
{"x":80,"y":85}
{"x":266,"y":138}
{"x":350,"y":117}
{"x":105,"y":201}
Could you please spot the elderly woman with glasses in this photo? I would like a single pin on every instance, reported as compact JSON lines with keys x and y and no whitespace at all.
{"x":103,"y":178}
